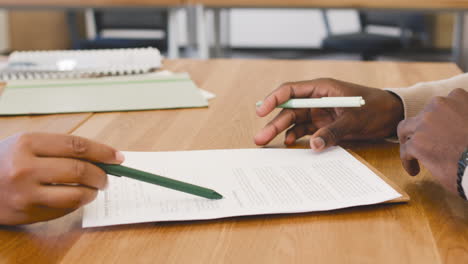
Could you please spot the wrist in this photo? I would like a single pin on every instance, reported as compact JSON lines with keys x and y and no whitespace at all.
{"x":397,"y":106}
{"x":396,"y":112}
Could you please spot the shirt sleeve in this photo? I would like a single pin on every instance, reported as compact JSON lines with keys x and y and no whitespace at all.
{"x":464,"y":182}
{"x":414,"y":98}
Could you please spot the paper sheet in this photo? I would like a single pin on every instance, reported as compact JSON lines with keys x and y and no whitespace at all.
{"x":252,"y":181}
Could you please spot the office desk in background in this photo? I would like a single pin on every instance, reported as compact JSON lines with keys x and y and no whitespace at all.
{"x":383,"y":4}
{"x":173,"y":7}
{"x":197,"y":21}
{"x":431,"y":228}
{"x":457,"y":7}
{"x":87,"y":3}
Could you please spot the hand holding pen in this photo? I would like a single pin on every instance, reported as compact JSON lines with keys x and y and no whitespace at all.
{"x":377,"y":118}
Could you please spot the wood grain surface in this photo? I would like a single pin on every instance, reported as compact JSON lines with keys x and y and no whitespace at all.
{"x":431,"y":228}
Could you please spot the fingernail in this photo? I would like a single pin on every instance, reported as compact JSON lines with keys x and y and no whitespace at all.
{"x":119,"y":157}
{"x":318,"y":143}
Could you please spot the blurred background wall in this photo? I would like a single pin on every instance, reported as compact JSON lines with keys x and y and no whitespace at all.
{"x":249,"y":28}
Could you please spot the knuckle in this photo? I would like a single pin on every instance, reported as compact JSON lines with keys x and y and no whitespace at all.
{"x":427,"y":118}
{"x":332,"y":135}
{"x":81,"y":197}
{"x":20,"y":202}
{"x":275,"y":129}
{"x":19,"y":171}
{"x":90,"y":197}
{"x":76,"y":200}
{"x":292,"y":115}
{"x":78,"y":145}
{"x":24,"y":140}
{"x":457,"y":92}
{"x":101,"y":179}
{"x":283,"y":87}
{"x":79,"y":169}
{"x":401,"y":127}
{"x":439,"y":101}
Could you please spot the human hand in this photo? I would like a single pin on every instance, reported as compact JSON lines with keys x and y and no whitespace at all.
{"x":45,"y":176}
{"x":436,"y":137}
{"x":378,"y":118}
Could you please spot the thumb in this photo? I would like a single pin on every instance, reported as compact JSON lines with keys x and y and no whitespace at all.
{"x":330,"y":135}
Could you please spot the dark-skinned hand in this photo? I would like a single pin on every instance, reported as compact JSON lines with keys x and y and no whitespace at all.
{"x":436,"y":137}
{"x":378,"y":118}
{"x":45,"y":176}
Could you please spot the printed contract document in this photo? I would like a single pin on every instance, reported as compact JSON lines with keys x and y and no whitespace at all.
{"x":252,"y":181}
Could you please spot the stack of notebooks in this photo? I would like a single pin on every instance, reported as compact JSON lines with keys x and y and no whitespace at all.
{"x":33,"y":65}
{"x":93,"y":81}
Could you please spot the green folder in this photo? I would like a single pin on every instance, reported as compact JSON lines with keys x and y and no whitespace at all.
{"x":138,"y":92}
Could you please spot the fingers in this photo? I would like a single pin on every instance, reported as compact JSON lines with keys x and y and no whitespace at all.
{"x":406,"y":129}
{"x":331,"y":134}
{"x":283,"y":94}
{"x":68,"y":146}
{"x":298,"y":131}
{"x":408,"y":160}
{"x":281,"y":122}
{"x":70,"y":171}
{"x":459,"y":93}
{"x":65,"y":197}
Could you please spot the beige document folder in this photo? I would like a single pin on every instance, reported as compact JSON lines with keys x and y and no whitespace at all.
{"x":139,"y":92}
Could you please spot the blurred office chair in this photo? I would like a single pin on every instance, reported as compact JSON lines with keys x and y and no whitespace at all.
{"x":414,"y":29}
{"x":120,"y":29}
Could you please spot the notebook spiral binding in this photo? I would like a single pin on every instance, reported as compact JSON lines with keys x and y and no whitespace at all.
{"x":35,"y":65}
{"x":11,"y":75}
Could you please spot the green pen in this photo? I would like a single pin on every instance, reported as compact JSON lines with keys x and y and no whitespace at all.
{"x":119,"y":171}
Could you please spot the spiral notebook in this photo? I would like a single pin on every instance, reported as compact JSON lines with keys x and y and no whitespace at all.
{"x":33,"y":65}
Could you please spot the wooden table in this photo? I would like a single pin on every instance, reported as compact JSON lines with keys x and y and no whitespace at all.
{"x":431,"y":228}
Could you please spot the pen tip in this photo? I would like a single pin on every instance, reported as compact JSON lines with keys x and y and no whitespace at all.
{"x":259,"y":103}
{"x":216,"y":196}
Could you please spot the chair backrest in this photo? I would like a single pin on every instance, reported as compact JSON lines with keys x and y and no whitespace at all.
{"x":415,"y":22}
{"x":123,"y":28}
{"x":131,"y":19}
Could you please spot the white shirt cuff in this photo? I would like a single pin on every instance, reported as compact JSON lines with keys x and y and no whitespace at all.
{"x":464,"y":182}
